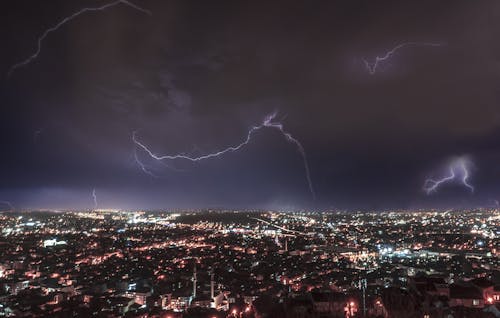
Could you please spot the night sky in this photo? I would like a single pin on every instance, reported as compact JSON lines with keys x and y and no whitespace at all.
{"x":195,"y":76}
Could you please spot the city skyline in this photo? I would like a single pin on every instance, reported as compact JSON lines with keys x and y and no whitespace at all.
{"x":240,"y":264}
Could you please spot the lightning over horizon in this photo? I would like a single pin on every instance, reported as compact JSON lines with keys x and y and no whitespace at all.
{"x":94,"y":197}
{"x":66,"y":20}
{"x":142,"y":166}
{"x":172,"y":105}
{"x":7,"y":203}
{"x":458,"y":170}
{"x":268,"y":122}
{"x":372,"y":66}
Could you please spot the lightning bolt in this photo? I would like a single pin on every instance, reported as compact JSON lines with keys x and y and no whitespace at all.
{"x":495,"y":202}
{"x":142,"y":166}
{"x":372,"y":66}
{"x":66,"y":20}
{"x":94,"y":197}
{"x":458,"y":169}
{"x":268,"y":122}
{"x":8,"y":204}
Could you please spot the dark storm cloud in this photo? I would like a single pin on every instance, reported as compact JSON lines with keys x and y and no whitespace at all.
{"x":197,"y":75}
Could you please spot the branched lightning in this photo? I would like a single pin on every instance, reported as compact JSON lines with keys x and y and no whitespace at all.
{"x":268,"y":122}
{"x":372,"y":66}
{"x":66,"y":20}
{"x":458,"y":169}
{"x":94,"y":197}
{"x":142,"y":166}
{"x":497,"y":204}
{"x":8,"y":204}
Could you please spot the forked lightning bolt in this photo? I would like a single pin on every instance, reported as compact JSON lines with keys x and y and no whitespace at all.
{"x":142,"y":165}
{"x":458,"y":170}
{"x":7,"y":203}
{"x":66,"y":20}
{"x":372,"y":66}
{"x":94,"y":197}
{"x":268,"y":122}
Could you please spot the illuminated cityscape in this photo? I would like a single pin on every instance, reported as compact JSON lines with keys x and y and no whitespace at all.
{"x":218,"y":263}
